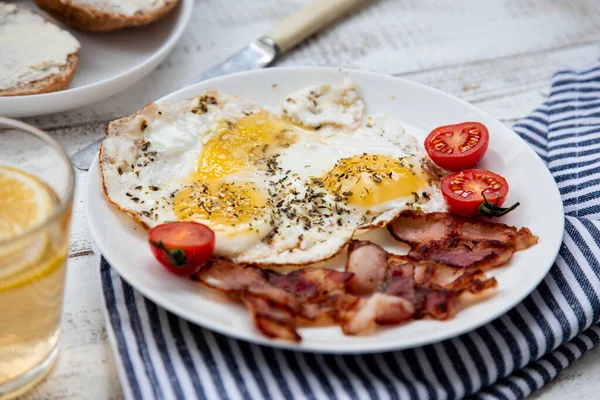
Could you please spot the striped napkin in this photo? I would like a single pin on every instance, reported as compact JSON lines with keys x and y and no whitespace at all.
{"x":163,"y":357}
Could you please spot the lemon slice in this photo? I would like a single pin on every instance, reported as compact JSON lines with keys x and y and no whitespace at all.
{"x":25,"y":202}
{"x":52,"y":260}
{"x":23,"y":254}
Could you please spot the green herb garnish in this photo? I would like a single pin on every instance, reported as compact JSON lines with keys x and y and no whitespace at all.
{"x":489,"y":209}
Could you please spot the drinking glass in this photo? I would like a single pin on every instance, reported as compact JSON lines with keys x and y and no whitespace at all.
{"x":36,"y":199}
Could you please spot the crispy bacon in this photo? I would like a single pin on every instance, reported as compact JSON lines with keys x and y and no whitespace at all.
{"x":442,"y":302}
{"x":438,"y":303}
{"x":310,"y":284}
{"x":475,"y":230}
{"x":368,"y":262}
{"x":274,"y":300}
{"x":377,"y":288}
{"x":459,"y":242}
{"x":320,"y":292}
{"x":272,"y":309}
{"x":271,"y":319}
{"x":410,"y":289}
{"x":416,"y":228}
{"x":378,"y":309}
{"x":328,"y":309}
{"x":229,"y":277}
{"x":464,"y":253}
{"x":434,"y":289}
{"x":473,"y":281}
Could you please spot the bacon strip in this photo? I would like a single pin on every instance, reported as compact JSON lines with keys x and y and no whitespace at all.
{"x":377,"y":288}
{"x":459,"y":242}
{"x":464,"y":253}
{"x":272,"y":309}
{"x":319,"y":292}
{"x":369,"y":264}
{"x":414,"y":228}
{"x":434,"y":289}
{"x":275,"y":301}
{"x":378,"y":309}
{"x":403,"y":288}
{"x":228,"y":277}
{"x":271,"y":319}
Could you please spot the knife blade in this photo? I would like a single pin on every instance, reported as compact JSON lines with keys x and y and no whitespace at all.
{"x":260,"y":53}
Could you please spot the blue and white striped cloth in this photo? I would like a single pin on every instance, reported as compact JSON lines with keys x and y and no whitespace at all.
{"x":163,"y":357}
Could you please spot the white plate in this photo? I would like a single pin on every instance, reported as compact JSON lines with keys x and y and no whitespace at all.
{"x":421,"y":108}
{"x":108,"y":64}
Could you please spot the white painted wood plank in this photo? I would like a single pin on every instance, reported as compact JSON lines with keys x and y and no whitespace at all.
{"x":506,"y":87}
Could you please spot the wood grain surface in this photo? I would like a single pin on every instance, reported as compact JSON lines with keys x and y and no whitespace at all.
{"x":496,"y":54}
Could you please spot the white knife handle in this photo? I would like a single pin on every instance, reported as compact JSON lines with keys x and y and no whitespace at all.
{"x":309,"y":19}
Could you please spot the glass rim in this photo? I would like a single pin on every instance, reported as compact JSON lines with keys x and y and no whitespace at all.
{"x":65,"y":202}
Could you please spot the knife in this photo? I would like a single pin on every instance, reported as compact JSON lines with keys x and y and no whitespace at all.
{"x":260,"y":53}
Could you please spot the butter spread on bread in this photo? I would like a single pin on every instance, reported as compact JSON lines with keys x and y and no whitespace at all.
{"x":128,"y":8}
{"x":107,"y":15}
{"x":31,"y":47}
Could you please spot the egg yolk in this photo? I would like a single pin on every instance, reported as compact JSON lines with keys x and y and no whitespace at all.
{"x":234,"y":146}
{"x":370,"y":179}
{"x":237,"y":146}
{"x":221,"y":203}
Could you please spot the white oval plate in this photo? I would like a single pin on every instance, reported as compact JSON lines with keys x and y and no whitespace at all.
{"x":422,"y":109}
{"x":108,"y":64}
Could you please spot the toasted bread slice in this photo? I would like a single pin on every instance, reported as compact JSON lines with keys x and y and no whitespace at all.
{"x":107,"y":15}
{"x":38,"y":57}
{"x":53,"y":83}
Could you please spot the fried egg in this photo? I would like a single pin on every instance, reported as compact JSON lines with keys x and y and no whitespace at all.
{"x":280,"y":185}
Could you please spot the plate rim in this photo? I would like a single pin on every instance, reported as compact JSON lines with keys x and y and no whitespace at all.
{"x":142,"y":69}
{"x":372,"y":347}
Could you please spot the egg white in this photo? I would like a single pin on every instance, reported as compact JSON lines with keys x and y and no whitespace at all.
{"x":151,"y":159}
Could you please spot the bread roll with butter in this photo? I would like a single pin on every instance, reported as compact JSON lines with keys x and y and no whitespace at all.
{"x":107,"y":15}
{"x":36,"y":56}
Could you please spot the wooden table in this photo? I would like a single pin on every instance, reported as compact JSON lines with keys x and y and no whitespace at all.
{"x":498,"y":55}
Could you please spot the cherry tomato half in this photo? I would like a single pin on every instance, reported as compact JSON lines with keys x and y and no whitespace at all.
{"x":182,"y":247}
{"x":463,"y":190}
{"x":459,"y":146}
